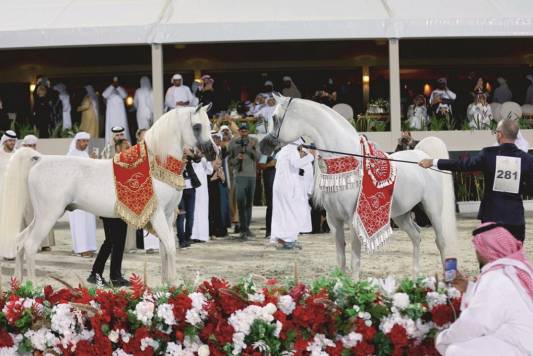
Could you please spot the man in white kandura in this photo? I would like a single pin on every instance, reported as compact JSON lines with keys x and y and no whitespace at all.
{"x":289,"y":195}
{"x":115,"y":113}
{"x":7,"y":150}
{"x":30,"y":141}
{"x":82,"y":223}
{"x":178,"y":94}
{"x":144,"y":103}
{"x":497,"y":310}
{"x":65,"y":101}
{"x":200,"y":228}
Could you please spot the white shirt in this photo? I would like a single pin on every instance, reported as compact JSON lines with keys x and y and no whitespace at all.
{"x":495,"y":308}
{"x":175,"y":94}
{"x":444,"y":94}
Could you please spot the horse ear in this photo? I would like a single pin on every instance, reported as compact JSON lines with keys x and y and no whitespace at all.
{"x":277,"y":95}
{"x":197,"y":110}
{"x":207,"y":107}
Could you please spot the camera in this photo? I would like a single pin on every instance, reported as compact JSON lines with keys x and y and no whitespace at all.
{"x":243,"y":142}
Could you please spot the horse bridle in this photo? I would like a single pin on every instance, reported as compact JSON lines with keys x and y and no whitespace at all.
{"x":282,"y":119}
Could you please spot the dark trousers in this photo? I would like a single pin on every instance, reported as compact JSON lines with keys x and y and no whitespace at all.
{"x":115,"y":239}
{"x":185,"y":221}
{"x":244,"y":191}
{"x":316,"y":218}
{"x":518,"y":231}
{"x":268,"y":182}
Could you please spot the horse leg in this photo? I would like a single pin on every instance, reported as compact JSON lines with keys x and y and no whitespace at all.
{"x":356,"y":253}
{"x":406,"y":223}
{"x":168,"y":256}
{"x":337,"y":227}
{"x":433,"y":211}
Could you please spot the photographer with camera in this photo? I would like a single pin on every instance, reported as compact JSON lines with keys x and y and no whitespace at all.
{"x":185,"y":220}
{"x":243,"y":155}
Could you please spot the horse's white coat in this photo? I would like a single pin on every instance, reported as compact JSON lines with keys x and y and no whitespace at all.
{"x":329,"y":130}
{"x":54,"y":184}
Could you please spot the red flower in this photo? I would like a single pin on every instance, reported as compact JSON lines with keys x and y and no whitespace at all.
{"x":368,"y":332}
{"x":364,"y":349}
{"x":398,"y":336}
{"x":180,"y":305}
{"x":5,"y":339}
{"x":297,"y":292}
{"x":442,"y":314}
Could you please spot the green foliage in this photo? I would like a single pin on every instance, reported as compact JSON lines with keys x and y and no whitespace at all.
{"x":383,"y":345}
{"x":263,"y":332}
{"x":25,"y":346}
{"x":362,"y":123}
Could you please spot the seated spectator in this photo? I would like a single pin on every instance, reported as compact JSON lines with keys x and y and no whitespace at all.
{"x":479,"y":113}
{"x":442,"y":98}
{"x":417,"y":114}
{"x":497,"y":310}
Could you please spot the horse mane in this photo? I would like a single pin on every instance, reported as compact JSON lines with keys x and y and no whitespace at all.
{"x":333,"y":114}
{"x":165,"y":134}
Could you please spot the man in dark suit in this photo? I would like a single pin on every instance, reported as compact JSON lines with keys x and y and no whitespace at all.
{"x":507,"y":171}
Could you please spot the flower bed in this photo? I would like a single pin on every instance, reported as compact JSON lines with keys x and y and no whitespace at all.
{"x":331,"y":316}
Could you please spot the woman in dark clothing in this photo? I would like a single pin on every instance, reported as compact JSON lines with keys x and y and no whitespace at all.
{"x":216,"y":180}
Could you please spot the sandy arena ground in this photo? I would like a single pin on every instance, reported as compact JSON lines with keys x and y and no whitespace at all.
{"x":232,"y":259}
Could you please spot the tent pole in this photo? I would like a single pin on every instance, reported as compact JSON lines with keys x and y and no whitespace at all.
{"x":394,"y":83}
{"x":157,"y":79}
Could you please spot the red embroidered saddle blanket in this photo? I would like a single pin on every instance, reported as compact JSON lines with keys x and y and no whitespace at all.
{"x":375,"y":197}
{"x":136,"y":201}
{"x":133,"y":170}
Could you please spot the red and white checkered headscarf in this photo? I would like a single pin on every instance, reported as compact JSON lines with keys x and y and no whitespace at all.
{"x":498,"y":243}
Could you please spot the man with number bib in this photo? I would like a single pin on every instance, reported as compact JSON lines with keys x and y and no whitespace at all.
{"x":506,"y":170}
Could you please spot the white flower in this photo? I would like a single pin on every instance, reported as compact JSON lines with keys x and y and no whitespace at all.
{"x":198,"y":300}
{"x":193,"y":317}
{"x":351,"y":339}
{"x":144,"y":311}
{"x":388,"y":285}
{"x":356,"y":308}
{"x":203,"y":350}
{"x":368,"y":323}
{"x":174,"y":349}
{"x":147,"y":342}
{"x":270,"y":308}
{"x":238,"y":343}
{"x":286,"y":304}
{"x":320,"y":342}
{"x":257,"y":297}
{"x":113,"y":336}
{"x":453,"y":292}
{"x":125,"y":336}
{"x":242,"y":320}
{"x":41,"y":339}
{"x":165,"y":312}
{"x":388,"y":322}
{"x":120,"y":352}
{"x":400,"y":300}
{"x":279,"y":326}
{"x":429,"y":283}
{"x":28,"y":303}
{"x":433,"y":299}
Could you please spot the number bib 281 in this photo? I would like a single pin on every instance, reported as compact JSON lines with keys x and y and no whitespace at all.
{"x":507,"y":174}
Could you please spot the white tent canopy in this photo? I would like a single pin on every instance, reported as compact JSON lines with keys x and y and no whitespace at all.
{"x":51,"y":23}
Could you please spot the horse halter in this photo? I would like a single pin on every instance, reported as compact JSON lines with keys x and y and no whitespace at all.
{"x":282,"y":119}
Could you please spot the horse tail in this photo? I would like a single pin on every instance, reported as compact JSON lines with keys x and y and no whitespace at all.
{"x":436,"y":148}
{"x":15,"y":198}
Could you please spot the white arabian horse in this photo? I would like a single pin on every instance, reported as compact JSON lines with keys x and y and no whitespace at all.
{"x":55,"y":184}
{"x":328,"y":130}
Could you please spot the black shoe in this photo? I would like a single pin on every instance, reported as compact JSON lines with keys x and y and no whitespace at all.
{"x":185,"y":245}
{"x":97,"y":279}
{"x":243,"y":236}
{"x":196,"y":241}
{"x":249,"y":233}
{"x":120,"y":282}
{"x":237,"y":229}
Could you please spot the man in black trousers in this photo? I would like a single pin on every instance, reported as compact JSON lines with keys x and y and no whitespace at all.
{"x":115,"y":239}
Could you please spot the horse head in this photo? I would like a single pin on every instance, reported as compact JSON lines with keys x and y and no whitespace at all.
{"x":201,"y":132}
{"x":284,"y":128}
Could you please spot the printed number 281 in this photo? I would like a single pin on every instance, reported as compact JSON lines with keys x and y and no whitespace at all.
{"x":506,"y":174}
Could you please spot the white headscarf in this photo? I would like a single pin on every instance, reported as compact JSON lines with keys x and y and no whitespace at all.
{"x":61,"y":88}
{"x":5,"y":137}
{"x":29,"y":140}
{"x":176,"y":77}
{"x":145,"y":83}
{"x":79,"y":136}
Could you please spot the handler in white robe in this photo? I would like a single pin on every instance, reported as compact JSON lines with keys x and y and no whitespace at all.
{"x":144,"y":102}
{"x":502,"y":93}
{"x":200,"y":228}
{"x":308,"y":181}
{"x":115,"y":113}
{"x":497,"y":310}
{"x":7,"y":150}
{"x":82,"y":223}
{"x":289,"y":195}
{"x":65,"y":102}
{"x":178,"y":94}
